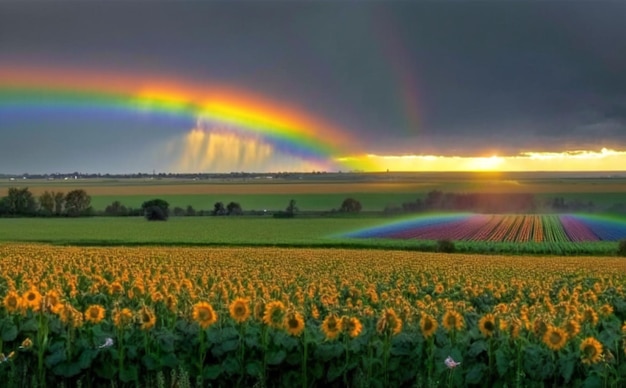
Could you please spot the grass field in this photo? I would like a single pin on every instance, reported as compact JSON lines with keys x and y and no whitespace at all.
{"x":257,"y":231}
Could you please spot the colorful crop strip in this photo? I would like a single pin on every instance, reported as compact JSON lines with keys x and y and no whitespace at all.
{"x":502,"y":228}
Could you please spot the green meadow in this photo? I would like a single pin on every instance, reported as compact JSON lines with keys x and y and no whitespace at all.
{"x":253,"y":231}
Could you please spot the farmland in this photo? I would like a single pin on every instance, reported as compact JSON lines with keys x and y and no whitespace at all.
{"x":299,"y":317}
{"x":318,"y":299}
{"x":326,"y":191}
{"x":504,"y":228}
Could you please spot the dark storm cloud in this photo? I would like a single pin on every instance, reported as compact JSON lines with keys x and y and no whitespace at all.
{"x":503,"y":76}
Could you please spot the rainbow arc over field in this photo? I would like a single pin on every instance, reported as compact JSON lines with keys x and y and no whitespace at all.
{"x":214,"y":107}
{"x":502,"y":228}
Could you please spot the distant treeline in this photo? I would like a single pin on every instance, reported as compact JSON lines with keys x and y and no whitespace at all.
{"x":20,"y":202}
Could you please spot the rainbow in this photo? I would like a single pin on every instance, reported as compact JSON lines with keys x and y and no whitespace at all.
{"x":288,"y":130}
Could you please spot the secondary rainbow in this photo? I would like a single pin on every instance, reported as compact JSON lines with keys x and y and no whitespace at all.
{"x":288,"y":130}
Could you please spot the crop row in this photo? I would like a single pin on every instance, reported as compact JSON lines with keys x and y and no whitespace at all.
{"x":502,"y":228}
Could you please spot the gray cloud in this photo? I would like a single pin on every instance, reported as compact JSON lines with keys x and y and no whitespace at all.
{"x":507,"y":76}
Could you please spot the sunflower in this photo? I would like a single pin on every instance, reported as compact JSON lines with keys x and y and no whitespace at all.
{"x":122,"y":318}
{"x":171,"y":302}
{"x":70,"y":316}
{"x":439,"y":288}
{"x":204,"y":314}
{"x":95,"y":313}
{"x":389,"y":322}
{"x":239,"y":310}
{"x":452,"y":320}
{"x":294,"y":323}
{"x":591,"y":351}
{"x":428,"y":325}
{"x":147,"y":318}
{"x":331,"y":326}
{"x":555,"y":338}
{"x":32,"y":299}
{"x":539,"y":327}
{"x":606,"y":310}
{"x":12,"y":302}
{"x":590,"y":315}
{"x":53,"y":301}
{"x":572,"y":327}
{"x":274,"y":314}
{"x":515,"y":325}
{"x":259,"y":310}
{"x":116,"y":288}
{"x":352,"y":326}
{"x":487,"y":325}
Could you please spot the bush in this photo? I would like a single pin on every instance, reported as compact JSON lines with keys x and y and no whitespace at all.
{"x":445,"y":246}
{"x":621,"y":248}
{"x":156,"y":210}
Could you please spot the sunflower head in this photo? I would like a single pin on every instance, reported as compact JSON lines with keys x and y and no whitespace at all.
{"x":572,"y":328}
{"x":32,"y":299}
{"x":12,"y":302}
{"x":331,"y":326}
{"x":606,"y":310}
{"x":428,"y":325}
{"x":389,"y":322}
{"x":239,"y":310}
{"x":294,"y":323}
{"x":590,"y":351}
{"x":487,"y":325}
{"x":274,"y":314}
{"x":352,"y":326}
{"x":147,"y":318}
{"x":555,"y":338}
{"x":452,"y":320}
{"x":204,"y":314}
{"x":95,"y":313}
{"x":122,"y":318}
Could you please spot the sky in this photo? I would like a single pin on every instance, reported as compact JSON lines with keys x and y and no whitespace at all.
{"x":221,"y":86}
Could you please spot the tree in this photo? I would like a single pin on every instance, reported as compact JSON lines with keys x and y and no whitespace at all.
{"x":219,"y":209}
{"x":20,"y":202}
{"x":350,"y":205}
{"x":156,"y":210}
{"x":291,"y":208}
{"x":234,"y":209}
{"x":77,"y":203}
{"x":190,"y":211}
{"x":116,"y":209}
{"x":59,"y":203}
{"x":46,"y":203}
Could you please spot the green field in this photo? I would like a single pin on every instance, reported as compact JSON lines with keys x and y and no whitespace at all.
{"x":253,"y":231}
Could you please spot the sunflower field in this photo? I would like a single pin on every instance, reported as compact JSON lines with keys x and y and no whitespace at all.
{"x":179,"y":317}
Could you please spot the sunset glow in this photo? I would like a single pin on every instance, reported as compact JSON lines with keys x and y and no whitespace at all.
{"x":578,"y":160}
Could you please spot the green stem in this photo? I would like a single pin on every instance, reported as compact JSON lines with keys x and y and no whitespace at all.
{"x":242,"y":352}
{"x":202,"y":352}
{"x":304,"y":360}
{"x":387,"y":345}
{"x":120,"y":351}
{"x":264,"y":341}
{"x":429,"y":358}
{"x":42,"y":344}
